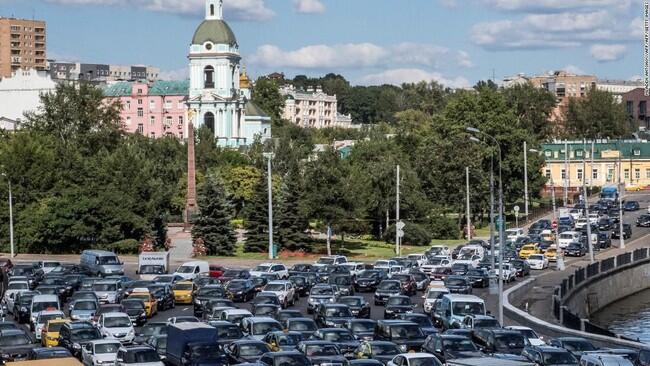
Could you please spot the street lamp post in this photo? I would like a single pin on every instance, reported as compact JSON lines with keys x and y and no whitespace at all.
{"x":269,"y":157}
{"x":11,"y":217}
{"x":501,"y":221}
{"x":526,"y":199}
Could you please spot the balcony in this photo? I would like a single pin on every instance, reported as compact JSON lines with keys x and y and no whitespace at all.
{"x":39,"y":38}
{"x":39,"y":44}
{"x":15,"y":60}
{"x":39,"y":30}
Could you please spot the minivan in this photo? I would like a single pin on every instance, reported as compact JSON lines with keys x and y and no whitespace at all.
{"x":101,"y":263}
{"x":191,"y":270}
{"x":567,"y":238}
{"x":452,"y":309}
{"x":43,"y":302}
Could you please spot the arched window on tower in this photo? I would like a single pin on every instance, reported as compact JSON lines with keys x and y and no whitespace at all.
{"x":208,"y":120}
{"x":208,"y":77}
{"x":211,"y":10}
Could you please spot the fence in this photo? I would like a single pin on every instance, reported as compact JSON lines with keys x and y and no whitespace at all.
{"x":581,"y":277}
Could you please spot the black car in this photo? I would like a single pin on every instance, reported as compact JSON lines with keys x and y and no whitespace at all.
{"x":575,"y":250}
{"x":605,"y":223}
{"x":521,"y":266}
{"x":240,"y":290}
{"x":377,"y":350}
{"x":479,"y":277}
{"x":318,"y":352}
{"x":259,"y":283}
{"x":604,"y":240}
{"x":342,"y":337}
{"x":499,"y":341}
{"x":643,"y":221}
{"x":300,"y":268}
{"x":460,"y":269}
{"x":15,"y":345}
{"x":22,"y":306}
{"x":448,"y":347}
{"x":423,"y":320}
{"x":631,"y":206}
{"x":285,"y":314}
{"x":358,"y":305}
{"x":231,"y":274}
{"x":149,"y":330}
{"x":409,"y":286}
{"x":362,"y":329}
{"x":627,"y":231}
{"x":386,"y":289}
{"x":458,"y":285}
{"x":265,"y":309}
{"x":164,"y":296}
{"x":301,"y":284}
{"x":344,"y":282}
{"x":226,"y":332}
{"x":283,"y":340}
{"x":305,"y":326}
{"x":614,"y":214}
{"x":549,"y":356}
{"x":135,"y":309}
{"x":245,"y":350}
{"x":293,"y":358}
{"x":205,"y":294}
{"x":396,"y":305}
{"x":577,"y":346}
{"x":75,"y":335}
{"x":407,"y":335}
{"x":332,"y":315}
{"x":46,"y":353}
{"x":365,"y":362}
{"x":368,"y":280}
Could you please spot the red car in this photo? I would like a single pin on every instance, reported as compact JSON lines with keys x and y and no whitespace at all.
{"x":216,"y":270}
{"x":409,"y":286}
{"x":440,"y":273}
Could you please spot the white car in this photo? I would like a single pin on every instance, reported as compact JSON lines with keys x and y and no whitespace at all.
{"x":514,"y":234}
{"x":48,"y":266}
{"x":235,"y":316}
{"x":331,"y":260}
{"x":582,"y":222}
{"x":533,"y":338}
{"x":284,"y":290}
{"x":431,"y":296}
{"x":439,"y":250}
{"x":45,"y":316}
{"x":509,"y":273}
{"x":420,"y":258}
{"x":116,"y":326}
{"x":100,"y":352}
{"x":354,"y":267}
{"x":385,"y":263}
{"x":276,"y":268}
{"x":13,"y":288}
{"x":413,"y":359}
{"x":537,"y":261}
{"x":575,"y":214}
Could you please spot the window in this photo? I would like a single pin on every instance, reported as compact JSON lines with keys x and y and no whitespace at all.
{"x":629,"y":107}
{"x":180,"y":120}
{"x":211,"y":9}
{"x":168,"y":121}
{"x":128,"y":121}
{"x":152,"y":104}
{"x":152,"y":120}
{"x":128,"y":104}
{"x":153,"y":135}
{"x":637,"y":152}
{"x":140,"y":129}
{"x":547,"y":153}
{"x":168,"y":104}
{"x":139,"y":101}
{"x":208,"y":77}
{"x":626,"y":173}
{"x":180,"y":105}
{"x":642,"y":108}
{"x":140,"y":112}
{"x":139,"y":92}
{"x":579,"y":153}
{"x":610,"y":174}
{"x":563,"y":174}
{"x":637,"y":173}
{"x":180,"y":135}
{"x":594,"y":174}
{"x":208,"y":120}
{"x":579,"y":174}
{"x":647,"y":173}
{"x":547,"y":173}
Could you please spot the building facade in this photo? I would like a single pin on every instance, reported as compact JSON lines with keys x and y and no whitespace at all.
{"x":101,"y":73}
{"x":618,"y":87}
{"x":636,"y":105}
{"x":569,"y":163}
{"x":216,"y":98}
{"x":21,"y":93}
{"x":22,"y":45}
{"x":312,"y":108}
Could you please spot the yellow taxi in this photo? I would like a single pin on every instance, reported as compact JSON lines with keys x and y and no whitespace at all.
{"x":551,"y":254}
{"x":150,"y":302}
{"x":183,"y":292}
{"x":528,"y":250}
{"x":50,"y":332}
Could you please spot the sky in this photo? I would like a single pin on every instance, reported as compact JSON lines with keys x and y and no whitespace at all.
{"x":455,"y":42}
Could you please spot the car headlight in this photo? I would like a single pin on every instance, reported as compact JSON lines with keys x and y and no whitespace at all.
{"x":23,"y":309}
{"x":402,"y":348}
{"x":76,"y":346}
{"x":6,"y":355}
{"x":131,"y":332}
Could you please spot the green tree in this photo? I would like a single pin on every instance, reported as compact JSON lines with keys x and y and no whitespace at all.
{"x":533,"y":107}
{"x":256,"y":221}
{"x":240,"y":183}
{"x":598,"y":115}
{"x":291,"y":219}
{"x":214,"y":222}
{"x":266,"y":94}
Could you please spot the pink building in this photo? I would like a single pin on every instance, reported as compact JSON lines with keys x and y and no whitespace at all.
{"x":155,"y":110}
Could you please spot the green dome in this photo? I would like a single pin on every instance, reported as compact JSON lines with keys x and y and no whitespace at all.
{"x":216,"y":31}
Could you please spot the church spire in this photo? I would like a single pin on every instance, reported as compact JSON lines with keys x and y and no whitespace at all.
{"x":214,"y":9}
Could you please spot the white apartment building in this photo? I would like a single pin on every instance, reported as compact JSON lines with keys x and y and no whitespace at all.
{"x":312,"y":108}
{"x":618,"y":87}
{"x":21,"y":93}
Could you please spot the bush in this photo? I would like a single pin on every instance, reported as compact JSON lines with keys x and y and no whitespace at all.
{"x":444,"y":228}
{"x":127,"y":246}
{"x":414,"y":234}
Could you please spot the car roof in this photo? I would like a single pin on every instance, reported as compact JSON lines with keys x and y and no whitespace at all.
{"x":115,"y":315}
{"x":417,"y":355}
{"x":317,"y":342}
{"x":458,"y":297}
{"x":8,"y":332}
{"x":278,"y":282}
{"x":104,"y":341}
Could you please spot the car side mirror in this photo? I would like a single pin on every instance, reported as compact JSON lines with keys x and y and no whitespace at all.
{"x":438,"y":350}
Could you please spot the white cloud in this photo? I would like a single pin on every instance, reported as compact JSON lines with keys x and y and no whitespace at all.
{"x":400,"y":76}
{"x":635,"y":78}
{"x":608,"y":52}
{"x":572,"y":69}
{"x":554,"y":6}
{"x":179,"y":74}
{"x":308,"y":6}
{"x":236,"y":10}
{"x":357,"y":55}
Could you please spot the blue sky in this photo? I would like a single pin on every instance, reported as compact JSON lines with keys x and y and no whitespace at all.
{"x":456,"y":42}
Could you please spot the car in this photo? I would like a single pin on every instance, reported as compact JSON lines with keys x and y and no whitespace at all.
{"x":285,"y":314}
{"x":361,"y":329}
{"x":75,"y":335}
{"x":100,"y":352}
{"x":631,"y":206}
{"x":368,"y":280}
{"x":305,"y":326}
{"x":322,"y":352}
{"x":605,"y":224}
{"x":168,"y":279}
{"x":521,"y":267}
{"x":538,"y":262}
{"x":22,"y":306}
{"x":301,"y":284}
{"x":117,"y":326}
{"x":137,"y":355}
{"x":150,"y":302}
{"x":552,"y":253}
{"x":460,"y":269}
{"x":604,"y":359}
{"x":135,"y":309}
{"x":386,"y":289}
{"x":184,"y":292}
{"x":627,"y":231}
{"x":265,"y":309}
{"x":479,"y":277}
{"x":205,"y":294}
{"x":575,"y":250}
{"x":278,"y":269}
{"x":240,"y":290}
{"x":358,"y":305}
{"x":320,"y":294}
{"x":458,"y":285}
{"x":284,"y":290}
{"x":256,"y":327}
{"x":549,"y":356}
{"x":331,"y":260}
{"x":432,"y":295}
{"x":423,"y":320}
{"x":407,"y":335}
{"x":235,"y":316}
{"x":216,"y":270}
{"x":507,"y":272}
{"x":14,"y":287}
{"x":159,"y":343}
{"x":533,"y":338}
{"x":108,"y":291}
{"x":528,"y":250}
{"x":379,"y":350}
{"x":344,"y":281}
{"x":111,"y":308}
{"x":283,"y":358}
{"x":493,"y":341}
{"x":409,"y":285}
{"x":47,"y":353}
{"x":643,"y":221}
{"x":283,"y":341}
{"x":43,"y":317}
{"x":440,"y":273}
{"x":332,"y":315}
{"x":480,"y":322}
{"x":151,"y":329}
{"x":164,"y":296}
{"x":50,"y":332}
{"x":396,"y":305}
{"x":414,"y":359}
{"x":449,"y":347}
{"x":226,"y":331}
{"x":576,"y":345}
{"x":15,"y":345}
{"x":83,"y":309}
{"x":342,"y":337}
{"x":245,"y":350}
{"x":604,"y":240}
{"x":182,"y":319}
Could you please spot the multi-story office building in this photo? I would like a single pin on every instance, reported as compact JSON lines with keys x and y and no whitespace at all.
{"x":618,"y":87}
{"x":312,"y":108}
{"x":636,"y":105}
{"x":22,"y":45}
{"x":67,"y":71}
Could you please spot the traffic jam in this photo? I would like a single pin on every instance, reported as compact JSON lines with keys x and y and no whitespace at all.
{"x":416,"y":310}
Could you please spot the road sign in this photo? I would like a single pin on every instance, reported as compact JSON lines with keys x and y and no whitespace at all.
{"x":516,"y":209}
{"x":400,"y":225}
{"x":400,"y":233}
{"x":499,"y":222}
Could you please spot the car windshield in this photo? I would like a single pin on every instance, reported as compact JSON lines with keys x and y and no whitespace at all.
{"x":389,"y":286}
{"x":321,"y":350}
{"x":185,"y":269}
{"x":289,"y":339}
{"x":363,"y":326}
{"x":43,"y":318}
{"x":579,"y":346}
{"x":274,"y":287}
{"x":384,"y":349}
{"x":151,"y":329}
{"x":218,"y":292}
{"x":107,"y":348}
{"x":326,"y":261}
{"x":406,"y":331}
{"x":262,"y":268}
{"x":145,"y":356}
{"x":468,"y":308}
{"x":484,"y":323}
{"x":85,"y":334}
{"x":133,"y":304}
{"x":559,"y":358}
{"x":459,"y":345}
{"x":338,"y":336}
{"x":164,"y":279}
{"x":229,"y":332}
{"x":85,"y":305}
{"x":237,"y":284}
{"x":108,"y":260}
{"x":14,"y":340}
{"x":104,"y":287}
{"x":368,"y":274}
{"x":436,"y":294}
{"x":423,"y":321}
{"x":322,"y":291}
{"x":423,"y":361}
{"x":509,"y":341}
{"x":266,"y":327}
{"x":451,"y":281}
{"x":18,"y":286}
{"x":536,"y":257}
{"x":152,"y":269}
{"x":117,"y":322}
{"x":398,"y":301}
{"x":183,"y":287}
{"x":253,"y":349}
{"x":338,"y":311}
{"x":351,"y":301}
{"x":302,"y":325}
{"x":54,"y":327}
{"x":44,"y":305}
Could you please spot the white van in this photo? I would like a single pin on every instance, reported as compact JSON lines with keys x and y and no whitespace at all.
{"x":513,"y":234}
{"x":192,"y":270}
{"x":43,"y":302}
{"x":567,"y":238}
{"x":472,"y":250}
{"x":454,"y":308}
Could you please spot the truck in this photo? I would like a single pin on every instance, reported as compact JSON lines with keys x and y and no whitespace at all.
{"x":152,"y":264}
{"x":193,"y":344}
{"x":609,"y":193}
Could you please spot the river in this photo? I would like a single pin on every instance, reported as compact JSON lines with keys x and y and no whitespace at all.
{"x":629,"y":317}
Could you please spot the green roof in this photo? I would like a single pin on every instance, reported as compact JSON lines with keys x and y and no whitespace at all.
{"x":170,"y":88}
{"x":120,"y":89}
{"x":253,"y":109}
{"x":216,"y":31}
{"x":630,"y":149}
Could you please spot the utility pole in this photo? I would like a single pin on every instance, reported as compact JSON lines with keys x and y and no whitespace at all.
{"x":397,"y":238}
{"x":621,"y":189}
{"x":591,"y":169}
{"x":493,"y":285}
{"x":11,"y":220}
{"x":566,"y":173}
{"x":525,"y":180}
{"x":586,"y":202}
{"x":269,"y":157}
{"x":468,"y":221}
